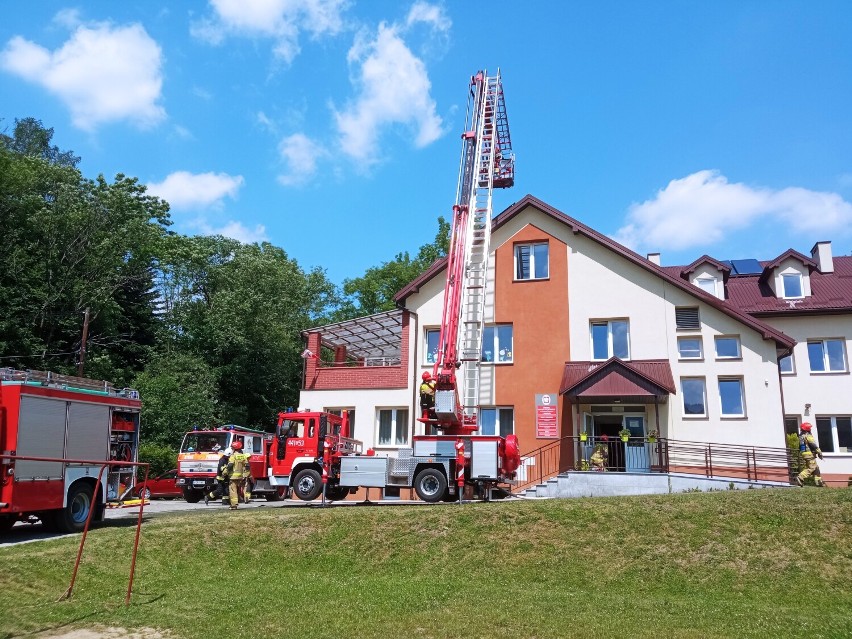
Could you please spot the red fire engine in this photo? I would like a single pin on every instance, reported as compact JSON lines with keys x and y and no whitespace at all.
{"x":46,"y":415}
{"x":312,"y":450}
{"x":199,"y":456}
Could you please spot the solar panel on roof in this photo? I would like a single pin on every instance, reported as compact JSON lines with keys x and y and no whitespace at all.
{"x":748,"y":266}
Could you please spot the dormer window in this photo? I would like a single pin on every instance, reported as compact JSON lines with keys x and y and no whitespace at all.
{"x":707,"y":284}
{"x":792,"y":283}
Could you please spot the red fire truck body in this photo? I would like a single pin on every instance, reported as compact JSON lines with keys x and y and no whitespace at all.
{"x":65,"y":418}
{"x":200,"y":453}
{"x":311,"y":449}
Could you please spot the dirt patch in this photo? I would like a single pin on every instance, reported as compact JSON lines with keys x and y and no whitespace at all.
{"x":102,"y":632}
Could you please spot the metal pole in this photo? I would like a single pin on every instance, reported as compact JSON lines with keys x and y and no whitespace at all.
{"x":136,"y":543}
{"x":83,"y":343}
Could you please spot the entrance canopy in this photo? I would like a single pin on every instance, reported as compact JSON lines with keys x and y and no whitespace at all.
{"x":616,"y":381}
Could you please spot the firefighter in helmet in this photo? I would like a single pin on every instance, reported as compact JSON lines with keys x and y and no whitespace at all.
{"x":427,"y":396}
{"x":600,"y":457}
{"x":221,"y":489}
{"x":238,"y":471}
{"x":808,"y":449}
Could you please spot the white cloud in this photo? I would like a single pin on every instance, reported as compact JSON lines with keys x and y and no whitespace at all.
{"x":300,"y":153}
{"x":281,"y":20}
{"x":235,"y":230}
{"x":431,"y":14}
{"x":702,"y":208}
{"x":103,"y":73}
{"x":184,"y":190}
{"x":393,"y":88}
{"x":68,"y":18}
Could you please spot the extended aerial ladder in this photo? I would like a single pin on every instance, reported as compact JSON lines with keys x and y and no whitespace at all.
{"x":487,"y":163}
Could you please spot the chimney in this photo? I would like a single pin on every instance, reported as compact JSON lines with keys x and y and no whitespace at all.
{"x":821,"y":254}
{"x":654,"y":258}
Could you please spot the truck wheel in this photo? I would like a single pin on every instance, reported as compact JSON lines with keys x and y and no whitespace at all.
{"x":430,"y":485}
{"x":73,"y":517}
{"x":336,"y":493}
{"x":307,"y":485}
{"x":192,"y":496}
{"x":276,"y":494}
{"x":6,"y":524}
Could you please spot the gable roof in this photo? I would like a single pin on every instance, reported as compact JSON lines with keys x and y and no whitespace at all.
{"x":578,"y":228}
{"x":616,"y":377}
{"x":768,"y":267}
{"x":706,"y":259}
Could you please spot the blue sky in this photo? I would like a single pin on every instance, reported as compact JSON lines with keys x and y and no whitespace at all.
{"x":331,"y":127}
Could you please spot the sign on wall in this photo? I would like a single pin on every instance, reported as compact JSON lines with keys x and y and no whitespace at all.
{"x":546,"y":418}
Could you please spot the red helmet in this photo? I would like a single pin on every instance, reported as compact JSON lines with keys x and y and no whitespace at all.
{"x":237,"y":445}
{"x":426,"y":376}
{"x":806,"y":427}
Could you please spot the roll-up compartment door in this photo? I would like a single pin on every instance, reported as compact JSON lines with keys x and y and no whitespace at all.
{"x":41,"y":433}
{"x":88,"y":432}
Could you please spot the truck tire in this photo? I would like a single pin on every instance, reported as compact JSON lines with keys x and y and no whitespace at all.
{"x":336,"y":493}
{"x":73,"y":517}
{"x":276,"y":494}
{"x":6,"y":523}
{"x":307,"y":484}
{"x":430,"y":485}
{"x":192,"y":496}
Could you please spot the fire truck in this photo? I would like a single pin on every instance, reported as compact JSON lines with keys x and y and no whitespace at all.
{"x":76,"y":421}
{"x":313,"y":450}
{"x":199,"y":456}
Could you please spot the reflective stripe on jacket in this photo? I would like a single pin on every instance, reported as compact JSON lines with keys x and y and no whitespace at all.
{"x":808,"y":446}
{"x":238,"y":466}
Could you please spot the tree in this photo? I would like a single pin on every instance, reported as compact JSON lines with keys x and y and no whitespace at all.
{"x":31,"y":138}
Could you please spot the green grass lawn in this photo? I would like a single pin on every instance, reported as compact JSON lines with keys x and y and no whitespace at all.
{"x":760,"y":563}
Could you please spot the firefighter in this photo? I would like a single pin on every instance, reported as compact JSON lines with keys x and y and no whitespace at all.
{"x":221,"y":489}
{"x":807,"y":449}
{"x":238,"y":470}
{"x":427,"y":395}
{"x":600,"y":456}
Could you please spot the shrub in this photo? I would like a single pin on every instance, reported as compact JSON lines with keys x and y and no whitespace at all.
{"x":161,"y":458}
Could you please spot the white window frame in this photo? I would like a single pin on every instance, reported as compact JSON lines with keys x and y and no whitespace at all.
{"x":498,"y":425}
{"x":496,"y":346}
{"x":741,"y":383}
{"x":609,"y":346}
{"x":792,"y":359}
{"x":704,"y":397}
{"x":736,"y":338}
{"x":825,"y":359}
{"x":396,"y":427}
{"x":426,"y":333}
{"x":801,"y":280}
{"x":708,"y":285}
{"x":700,"y":341}
{"x":532,"y":268}
{"x":835,"y":437}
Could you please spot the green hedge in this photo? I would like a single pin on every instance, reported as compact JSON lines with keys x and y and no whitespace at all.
{"x":161,"y":458}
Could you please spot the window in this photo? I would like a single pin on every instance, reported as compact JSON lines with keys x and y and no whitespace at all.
{"x":350,"y":413}
{"x":610,"y":339}
{"x":497,"y":344}
{"x":687,"y":318}
{"x":731,"y":396}
{"x":531,"y":261}
{"x":689,"y":347}
{"x":834,"y":434}
{"x":694,"y":396}
{"x":431,"y":350}
{"x":792,"y":284}
{"x":827,"y":356}
{"x":393,"y":426}
{"x":727,"y":347}
{"x":707,"y":284}
{"x":496,"y":421}
{"x":787,"y":365}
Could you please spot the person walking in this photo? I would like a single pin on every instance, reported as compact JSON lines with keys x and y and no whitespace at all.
{"x":238,"y":470}
{"x":808,"y":449}
{"x":221,"y":490}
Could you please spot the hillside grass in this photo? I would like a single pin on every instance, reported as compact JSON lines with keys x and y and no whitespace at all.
{"x":761,"y":563}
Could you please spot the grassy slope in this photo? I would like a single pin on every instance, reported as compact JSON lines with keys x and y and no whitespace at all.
{"x":733,"y":564}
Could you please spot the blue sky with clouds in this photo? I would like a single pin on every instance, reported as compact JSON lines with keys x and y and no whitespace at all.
{"x":331,"y":127}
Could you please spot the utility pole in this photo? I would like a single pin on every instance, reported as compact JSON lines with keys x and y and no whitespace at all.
{"x":83,"y":343}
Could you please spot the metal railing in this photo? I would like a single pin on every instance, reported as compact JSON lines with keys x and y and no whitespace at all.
{"x":660,"y":455}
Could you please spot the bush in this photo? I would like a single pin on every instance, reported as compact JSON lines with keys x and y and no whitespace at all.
{"x":161,"y":458}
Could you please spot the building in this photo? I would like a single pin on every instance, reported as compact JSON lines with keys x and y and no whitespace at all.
{"x":614,"y":341}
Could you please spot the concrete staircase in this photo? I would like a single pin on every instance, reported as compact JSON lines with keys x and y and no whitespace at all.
{"x":594,"y":484}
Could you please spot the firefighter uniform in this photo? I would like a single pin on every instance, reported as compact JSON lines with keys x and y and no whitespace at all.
{"x":427,"y":395}
{"x":599,"y":458}
{"x":809,"y":451}
{"x":238,"y":471}
{"x":221,"y":489}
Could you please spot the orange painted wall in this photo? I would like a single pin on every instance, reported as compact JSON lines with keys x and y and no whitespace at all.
{"x":538,"y":311}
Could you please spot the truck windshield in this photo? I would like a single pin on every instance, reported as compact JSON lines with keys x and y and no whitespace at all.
{"x":202,"y":442}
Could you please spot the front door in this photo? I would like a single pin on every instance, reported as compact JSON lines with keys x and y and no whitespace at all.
{"x":636,"y":456}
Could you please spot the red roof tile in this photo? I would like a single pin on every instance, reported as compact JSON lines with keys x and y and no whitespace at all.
{"x":616,"y":377}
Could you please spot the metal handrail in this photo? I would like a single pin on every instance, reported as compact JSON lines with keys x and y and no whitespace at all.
{"x":660,"y":455}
